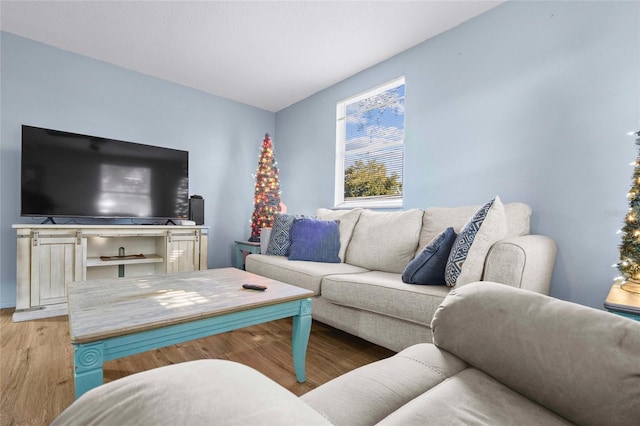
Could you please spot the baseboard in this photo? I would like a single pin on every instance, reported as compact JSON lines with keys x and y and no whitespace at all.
{"x":39,"y":313}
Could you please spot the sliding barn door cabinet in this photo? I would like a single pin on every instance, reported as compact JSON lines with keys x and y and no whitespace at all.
{"x":51,"y":256}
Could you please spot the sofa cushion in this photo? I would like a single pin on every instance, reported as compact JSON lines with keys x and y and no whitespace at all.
{"x":471,"y":397}
{"x":580,"y":362}
{"x":202,"y":392}
{"x":368,"y":394}
{"x":307,"y":275}
{"x":466,"y":260}
{"x":315,"y":240}
{"x":280,"y":237}
{"x":385,"y":241}
{"x":384,"y":293}
{"x":428,"y":267}
{"x":437,"y":219}
{"x":348,"y":220}
{"x":389,"y":332}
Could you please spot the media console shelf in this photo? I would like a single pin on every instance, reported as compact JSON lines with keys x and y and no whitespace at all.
{"x":148,"y":258}
{"x":51,"y":256}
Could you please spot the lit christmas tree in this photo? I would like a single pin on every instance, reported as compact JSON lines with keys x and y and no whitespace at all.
{"x":629,"y":264}
{"x":266,"y":200}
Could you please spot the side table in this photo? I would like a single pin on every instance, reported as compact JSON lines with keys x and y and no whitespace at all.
{"x":241,"y":248}
{"x":622,"y":302}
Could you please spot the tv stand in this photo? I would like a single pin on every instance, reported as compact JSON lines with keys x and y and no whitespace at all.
{"x":47,"y":220}
{"x":51,"y":256}
{"x":170,"y":221}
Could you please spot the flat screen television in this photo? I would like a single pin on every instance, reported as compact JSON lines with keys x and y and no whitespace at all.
{"x":72,"y":175}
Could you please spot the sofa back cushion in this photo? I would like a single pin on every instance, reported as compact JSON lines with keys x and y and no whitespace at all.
{"x":385,"y":241}
{"x":347,"y":219}
{"x":579,"y":362}
{"x":437,"y":219}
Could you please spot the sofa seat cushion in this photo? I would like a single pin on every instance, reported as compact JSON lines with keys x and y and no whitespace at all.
{"x":368,"y":394}
{"x":384,"y":293}
{"x":472,"y":398}
{"x":301,"y":273}
{"x":385,"y":241}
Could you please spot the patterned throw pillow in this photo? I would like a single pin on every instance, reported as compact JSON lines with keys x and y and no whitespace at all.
{"x":280,"y":240}
{"x":463,"y":243}
{"x":428,"y":267}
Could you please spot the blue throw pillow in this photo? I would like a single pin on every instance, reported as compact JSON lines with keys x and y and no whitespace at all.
{"x":428,"y":267}
{"x":315,"y":240}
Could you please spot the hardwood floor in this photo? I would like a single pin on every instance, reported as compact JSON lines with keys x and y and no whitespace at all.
{"x":36,"y":361}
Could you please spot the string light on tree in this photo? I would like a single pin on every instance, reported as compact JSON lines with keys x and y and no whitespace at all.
{"x":629,"y":264}
{"x":266,"y":199}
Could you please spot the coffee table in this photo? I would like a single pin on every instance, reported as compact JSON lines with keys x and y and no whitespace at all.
{"x":114,"y":318}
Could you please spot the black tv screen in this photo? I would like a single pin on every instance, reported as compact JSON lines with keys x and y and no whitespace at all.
{"x":73,"y":175}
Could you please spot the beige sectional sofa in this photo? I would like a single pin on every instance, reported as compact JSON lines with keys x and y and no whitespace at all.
{"x":364,"y":294}
{"x":501,"y":356}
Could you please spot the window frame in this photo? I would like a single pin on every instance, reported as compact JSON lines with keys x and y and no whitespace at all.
{"x":341,"y":122}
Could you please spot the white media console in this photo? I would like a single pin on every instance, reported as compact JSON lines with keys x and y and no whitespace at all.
{"x":51,"y":256}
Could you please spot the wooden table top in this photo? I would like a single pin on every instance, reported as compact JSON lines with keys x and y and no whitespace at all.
{"x":104,"y":308}
{"x":622,"y":301}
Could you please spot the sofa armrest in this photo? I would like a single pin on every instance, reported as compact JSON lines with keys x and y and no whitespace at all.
{"x":203,"y":392}
{"x":367,"y":395}
{"x":265,"y":234}
{"x":525,"y":262}
{"x":579,"y":362}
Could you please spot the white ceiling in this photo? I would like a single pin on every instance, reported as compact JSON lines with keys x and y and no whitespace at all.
{"x":269,"y":54}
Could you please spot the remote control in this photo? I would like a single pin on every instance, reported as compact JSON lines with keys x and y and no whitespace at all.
{"x":254,"y":287}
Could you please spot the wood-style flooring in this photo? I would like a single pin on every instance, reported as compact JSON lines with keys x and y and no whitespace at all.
{"x":36,"y":361}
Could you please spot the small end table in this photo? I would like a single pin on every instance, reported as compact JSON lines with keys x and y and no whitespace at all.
{"x":622,"y":302}
{"x":241,"y":248}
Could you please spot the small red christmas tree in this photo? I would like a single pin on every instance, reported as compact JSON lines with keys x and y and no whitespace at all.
{"x":266,"y":200}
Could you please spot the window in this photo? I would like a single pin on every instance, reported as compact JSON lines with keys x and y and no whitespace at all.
{"x":370,"y":148}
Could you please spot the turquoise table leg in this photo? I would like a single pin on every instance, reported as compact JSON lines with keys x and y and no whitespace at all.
{"x":87,"y":360}
{"x":300,"y":338}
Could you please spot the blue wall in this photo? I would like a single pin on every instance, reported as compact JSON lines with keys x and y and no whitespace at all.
{"x":531,"y":101}
{"x":48,"y":87}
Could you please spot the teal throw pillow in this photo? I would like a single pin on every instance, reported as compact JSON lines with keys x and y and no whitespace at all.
{"x":315,"y":240}
{"x":428,"y":267}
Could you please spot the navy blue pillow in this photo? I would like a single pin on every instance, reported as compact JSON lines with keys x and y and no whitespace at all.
{"x":315,"y":240}
{"x":428,"y":267}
